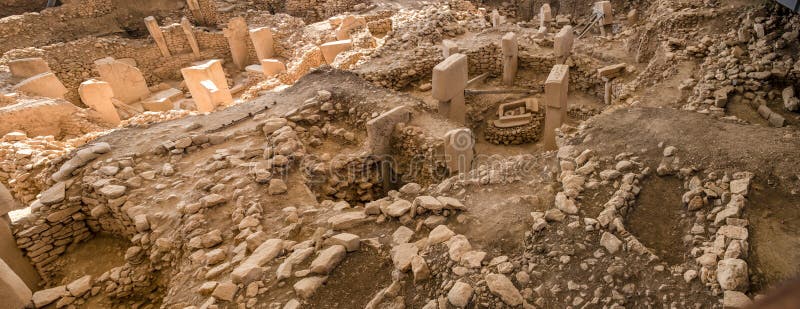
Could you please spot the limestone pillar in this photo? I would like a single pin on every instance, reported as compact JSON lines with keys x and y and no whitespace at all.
{"x":236,"y":33}
{"x":99,"y":95}
{"x":379,"y":129}
{"x":449,"y":47}
{"x":510,"y":58}
{"x":331,"y":49}
{"x":10,"y":254}
{"x":262,"y":42}
{"x":555,"y":95}
{"x":545,"y":15}
{"x":496,"y":19}
{"x":272,"y":67}
{"x":43,"y":85}
{"x":459,"y":150}
{"x":13,"y":291}
{"x":562,"y":44}
{"x":27,"y":67}
{"x":449,"y":81}
{"x":379,"y":136}
{"x":208,"y":85}
{"x":188,"y":29}
{"x":348,"y":24}
{"x":127,"y":82}
{"x":604,"y":7}
{"x":158,"y":36}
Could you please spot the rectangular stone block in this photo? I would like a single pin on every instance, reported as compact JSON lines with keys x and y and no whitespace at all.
{"x":236,"y":33}
{"x":556,"y":87}
{"x":188,"y":30}
{"x":331,"y":49}
{"x":608,"y":14}
{"x":379,"y":129}
{"x":43,"y":85}
{"x":272,"y":67}
{"x":449,"y":47}
{"x":262,"y":42}
{"x":208,"y":85}
{"x":563,"y":41}
{"x":99,"y":96}
{"x":27,"y":67}
{"x":546,"y":13}
{"x":611,"y":71}
{"x":450,"y":77}
{"x":163,"y":100}
{"x":126,"y":80}
{"x":158,"y":36}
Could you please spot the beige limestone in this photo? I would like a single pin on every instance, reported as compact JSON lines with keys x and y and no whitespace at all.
{"x":562,"y":44}
{"x":13,"y":291}
{"x":188,"y":30}
{"x":510,"y":57}
{"x":27,"y":67}
{"x":272,"y":67}
{"x":545,"y":14}
{"x":449,"y":47}
{"x":379,"y":129}
{"x":449,"y":81}
{"x":44,"y":85}
{"x":125,"y":79}
{"x":608,"y":13}
{"x":262,"y":42}
{"x":459,"y":150}
{"x":158,"y":36}
{"x":208,"y":85}
{"x":347,"y":24}
{"x":331,"y":49}
{"x":99,"y":96}
{"x":236,"y":33}
{"x":556,"y":88}
{"x":163,"y":100}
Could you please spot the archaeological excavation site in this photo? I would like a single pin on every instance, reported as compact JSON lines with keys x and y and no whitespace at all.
{"x":390,"y":154}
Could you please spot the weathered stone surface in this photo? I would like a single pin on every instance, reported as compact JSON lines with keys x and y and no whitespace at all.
{"x":347,"y":220}
{"x":732,"y":274}
{"x":225,"y":291}
{"x":54,"y":194}
{"x":328,"y":259}
{"x":45,"y":297}
{"x":80,"y":286}
{"x":350,"y":241}
{"x":501,"y":286}
{"x":251,"y":269}
{"x":402,"y":255}
{"x":440,"y":234}
{"x":306,"y":287}
{"x":610,"y":242}
{"x":460,"y":294}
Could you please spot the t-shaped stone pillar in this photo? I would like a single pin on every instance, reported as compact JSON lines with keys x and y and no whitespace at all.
{"x":459,"y":150}
{"x":236,"y":32}
{"x":555,"y":95}
{"x":158,"y":36}
{"x":207,"y":84}
{"x":449,"y":81}
{"x":510,"y":57}
{"x":99,"y":95}
{"x":562,"y":44}
{"x":496,"y":19}
{"x":262,"y":42}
